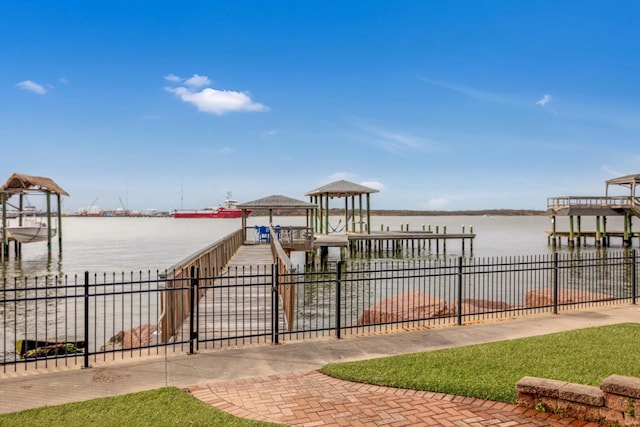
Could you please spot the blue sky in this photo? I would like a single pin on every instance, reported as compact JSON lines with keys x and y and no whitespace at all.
{"x":449,"y":105}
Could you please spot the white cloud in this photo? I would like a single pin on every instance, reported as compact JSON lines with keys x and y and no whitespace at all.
{"x":197,"y":81}
{"x":544,"y":100}
{"x":173,"y":78}
{"x":210,"y":100}
{"x":63,"y":81}
{"x":216,"y":101}
{"x":376,"y":185}
{"x":32,"y":86}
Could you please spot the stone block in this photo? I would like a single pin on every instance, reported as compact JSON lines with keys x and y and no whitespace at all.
{"x":611,"y":416}
{"x":550,"y":403}
{"x":616,"y":402}
{"x":539,"y":386}
{"x":579,"y":393}
{"x":631,"y":420}
{"x":625,"y":386}
{"x":580,"y":411}
{"x":526,"y":400}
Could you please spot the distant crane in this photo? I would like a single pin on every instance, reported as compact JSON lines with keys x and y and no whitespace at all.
{"x":123,"y":206}
{"x":92,"y":209}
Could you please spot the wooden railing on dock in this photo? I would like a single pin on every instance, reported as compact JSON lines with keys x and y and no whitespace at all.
{"x":176,"y":304}
{"x":287,"y":277}
{"x":612,"y":202}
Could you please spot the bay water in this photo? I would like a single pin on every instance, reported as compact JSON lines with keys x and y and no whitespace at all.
{"x":105,"y":245}
{"x":126,"y":244}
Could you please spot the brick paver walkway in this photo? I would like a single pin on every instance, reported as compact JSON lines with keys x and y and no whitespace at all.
{"x":313,"y":399}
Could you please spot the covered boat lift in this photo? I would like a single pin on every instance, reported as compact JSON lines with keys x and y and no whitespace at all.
{"x":600,"y":207}
{"x":21,"y":185}
{"x":348,"y":191}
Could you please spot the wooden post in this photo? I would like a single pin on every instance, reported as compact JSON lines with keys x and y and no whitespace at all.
{"x":571,"y":242}
{"x":368,"y":215}
{"x":346,"y":214}
{"x":579,"y":219}
{"x":444,"y":242}
{"x":597,"y":242}
{"x":326,"y":224}
{"x":353,"y":216}
{"x":49,"y":235}
{"x":360,"y":209}
{"x":553,"y":230}
{"x":627,"y":227}
{"x":4,"y":245}
{"x":605,"y":238}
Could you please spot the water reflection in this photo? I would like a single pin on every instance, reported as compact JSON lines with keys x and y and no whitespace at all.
{"x":44,"y":266}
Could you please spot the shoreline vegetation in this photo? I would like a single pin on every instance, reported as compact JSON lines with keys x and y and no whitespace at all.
{"x":407,"y":212}
{"x":485,"y":212}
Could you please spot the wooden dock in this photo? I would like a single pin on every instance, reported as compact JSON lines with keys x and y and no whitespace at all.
{"x":599,"y":208}
{"x":379,"y":241}
{"x":239,"y":302}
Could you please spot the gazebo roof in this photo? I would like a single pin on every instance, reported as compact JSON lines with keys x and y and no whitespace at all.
{"x":19,"y":182}
{"x":341,"y":188}
{"x":624,"y":180}
{"x":276,"y":202}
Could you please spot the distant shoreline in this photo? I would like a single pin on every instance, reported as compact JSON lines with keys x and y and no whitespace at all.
{"x":483,"y":212}
{"x":407,"y":212}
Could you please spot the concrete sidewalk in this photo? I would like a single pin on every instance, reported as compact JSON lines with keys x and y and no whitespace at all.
{"x":45,"y":387}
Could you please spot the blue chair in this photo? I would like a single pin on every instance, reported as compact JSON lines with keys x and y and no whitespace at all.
{"x":263,"y":234}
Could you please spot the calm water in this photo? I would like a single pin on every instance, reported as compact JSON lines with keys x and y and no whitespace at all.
{"x":141,"y":244}
{"x":115,"y":245}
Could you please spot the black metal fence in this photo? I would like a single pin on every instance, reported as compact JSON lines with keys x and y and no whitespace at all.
{"x":84,"y":320}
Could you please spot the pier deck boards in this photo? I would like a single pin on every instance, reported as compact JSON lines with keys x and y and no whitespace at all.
{"x":239,"y":303}
{"x":339,"y":240}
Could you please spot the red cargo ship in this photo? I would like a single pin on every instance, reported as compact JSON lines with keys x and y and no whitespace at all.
{"x":226,"y":210}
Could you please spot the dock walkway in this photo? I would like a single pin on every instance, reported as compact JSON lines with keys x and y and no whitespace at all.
{"x":238,"y":304}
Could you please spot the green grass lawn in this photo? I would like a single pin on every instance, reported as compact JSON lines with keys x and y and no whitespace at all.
{"x":490,"y":371}
{"x":164,"y":407}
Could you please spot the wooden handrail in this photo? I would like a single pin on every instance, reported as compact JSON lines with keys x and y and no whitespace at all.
{"x":175,"y":304}
{"x":287,"y":278}
{"x":589,"y":201}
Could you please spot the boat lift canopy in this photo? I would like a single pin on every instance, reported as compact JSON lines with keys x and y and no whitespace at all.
{"x":19,"y":184}
{"x":630,"y":181}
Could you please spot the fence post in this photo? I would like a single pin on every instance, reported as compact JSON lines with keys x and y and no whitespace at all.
{"x":459,"y":291}
{"x":634,"y":278}
{"x":193,"y":334}
{"x":338,"y":298}
{"x":555,"y":282}
{"x":275,"y":314}
{"x":86,"y":321}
